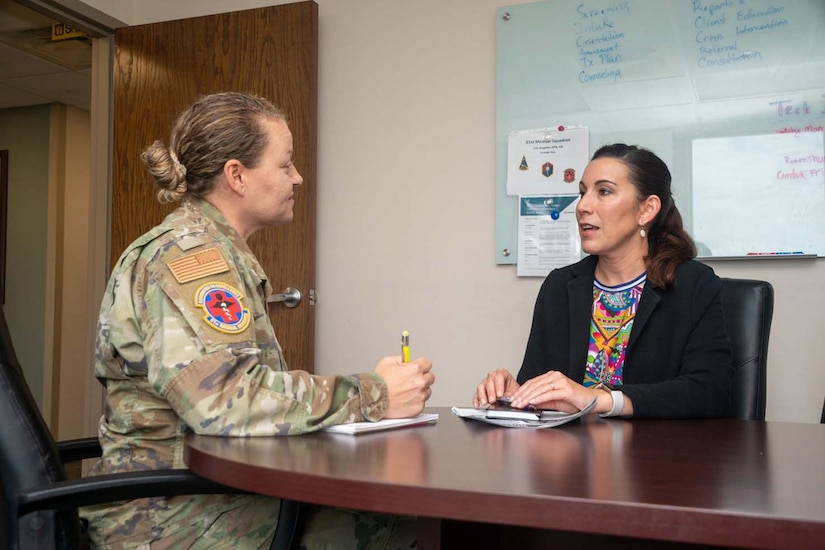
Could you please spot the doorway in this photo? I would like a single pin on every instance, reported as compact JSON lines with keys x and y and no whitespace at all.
{"x":55,"y":201}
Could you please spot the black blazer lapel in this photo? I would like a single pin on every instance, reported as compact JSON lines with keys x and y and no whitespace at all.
{"x":580,"y":292}
{"x":650,"y":299}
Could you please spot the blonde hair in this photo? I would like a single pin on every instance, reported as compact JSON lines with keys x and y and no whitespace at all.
{"x":213,"y":130}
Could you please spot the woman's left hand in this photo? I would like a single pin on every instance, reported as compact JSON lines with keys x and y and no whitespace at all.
{"x":554,"y":390}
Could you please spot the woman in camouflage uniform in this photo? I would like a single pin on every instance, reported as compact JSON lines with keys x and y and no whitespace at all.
{"x":185,"y":343}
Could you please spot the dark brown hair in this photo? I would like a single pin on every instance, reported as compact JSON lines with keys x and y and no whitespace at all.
{"x":669,"y":244}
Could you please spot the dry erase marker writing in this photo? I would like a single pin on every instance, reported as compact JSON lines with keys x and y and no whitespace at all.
{"x":796,"y":253}
{"x":405,"y":347}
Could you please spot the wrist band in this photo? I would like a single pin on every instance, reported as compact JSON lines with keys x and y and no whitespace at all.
{"x":618,"y":404}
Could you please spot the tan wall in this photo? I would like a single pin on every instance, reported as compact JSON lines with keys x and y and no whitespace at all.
{"x":24,"y":131}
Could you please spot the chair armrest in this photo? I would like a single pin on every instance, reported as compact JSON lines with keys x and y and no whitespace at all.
{"x":114,"y":487}
{"x":73,"y":450}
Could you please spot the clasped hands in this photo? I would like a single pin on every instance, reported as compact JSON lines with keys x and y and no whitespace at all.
{"x":551,"y":390}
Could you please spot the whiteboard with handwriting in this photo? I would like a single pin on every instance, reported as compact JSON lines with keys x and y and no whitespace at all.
{"x":672,"y":76}
{"x":759,"y":195}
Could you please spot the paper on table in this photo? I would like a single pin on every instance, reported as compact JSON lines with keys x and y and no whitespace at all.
{"x":549,"y":419}
{"x":355,"y":428}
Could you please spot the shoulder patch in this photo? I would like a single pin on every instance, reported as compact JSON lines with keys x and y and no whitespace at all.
{"x":190,"y":242}
{"x":201,"y":264}
{"x":223,"y":307}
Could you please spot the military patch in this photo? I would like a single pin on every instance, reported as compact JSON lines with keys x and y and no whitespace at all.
{"x":189,"y":242}
{"x":198,"y":265}
{"x":223,"y":307}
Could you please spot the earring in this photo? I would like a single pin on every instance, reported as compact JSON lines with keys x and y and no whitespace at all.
{"x":642,"y":232}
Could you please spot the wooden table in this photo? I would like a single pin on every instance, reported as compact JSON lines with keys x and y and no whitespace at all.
{"x":713,"y":482}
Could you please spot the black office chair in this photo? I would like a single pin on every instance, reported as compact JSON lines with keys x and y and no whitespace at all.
{"x":40,"y":506}
{"x":748,"y":306}
{"x":822,"y":419}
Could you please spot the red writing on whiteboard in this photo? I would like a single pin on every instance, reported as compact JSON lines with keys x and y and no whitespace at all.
{"x":800,"y":174}
{"x":797,"y":131}
{"x":806,"y":159}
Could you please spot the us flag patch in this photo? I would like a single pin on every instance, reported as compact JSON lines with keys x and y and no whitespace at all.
{"x":194,"y":266}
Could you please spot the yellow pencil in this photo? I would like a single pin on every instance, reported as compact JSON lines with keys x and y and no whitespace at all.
{"x":405,"y":347}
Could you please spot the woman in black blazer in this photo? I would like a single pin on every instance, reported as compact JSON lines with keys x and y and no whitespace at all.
{"x":637,"y":324}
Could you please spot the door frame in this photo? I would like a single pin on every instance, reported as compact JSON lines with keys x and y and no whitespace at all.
{"x":99,"y":211}
{"x":99,"y":27}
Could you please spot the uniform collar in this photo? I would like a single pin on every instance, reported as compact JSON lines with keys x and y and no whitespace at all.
{"x":204,"y":209}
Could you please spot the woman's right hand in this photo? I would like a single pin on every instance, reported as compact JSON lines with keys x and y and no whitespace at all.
{"x":498,"y":383}
{"x":408,"y":385}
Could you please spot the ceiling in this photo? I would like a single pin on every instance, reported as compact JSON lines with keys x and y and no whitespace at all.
{"x":34,"y":69}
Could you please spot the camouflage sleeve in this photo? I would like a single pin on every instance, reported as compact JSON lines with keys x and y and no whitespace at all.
{"x":119,"y":332}
{"x":220,"y":383}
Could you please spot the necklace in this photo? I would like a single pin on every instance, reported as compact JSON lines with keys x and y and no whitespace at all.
{"x":616,"y":301}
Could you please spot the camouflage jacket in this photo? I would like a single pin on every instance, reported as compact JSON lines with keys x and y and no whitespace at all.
{"x":185,"y":343}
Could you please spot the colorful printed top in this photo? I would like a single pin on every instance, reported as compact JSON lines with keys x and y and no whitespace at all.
{"x":185,"y":343}
{"x":614,"y":308}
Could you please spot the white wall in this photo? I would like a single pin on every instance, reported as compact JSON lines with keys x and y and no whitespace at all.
{"x":406,"y":203}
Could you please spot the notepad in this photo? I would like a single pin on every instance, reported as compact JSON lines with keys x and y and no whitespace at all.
{"x":355,"y":428}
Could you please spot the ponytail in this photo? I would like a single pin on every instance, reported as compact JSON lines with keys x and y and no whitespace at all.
{"x":669,"y":245}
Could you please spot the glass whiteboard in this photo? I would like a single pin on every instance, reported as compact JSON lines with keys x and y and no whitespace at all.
{"x":672,"y":76}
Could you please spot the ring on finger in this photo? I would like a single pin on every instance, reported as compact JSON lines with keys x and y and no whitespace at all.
{"x":552,"y":386}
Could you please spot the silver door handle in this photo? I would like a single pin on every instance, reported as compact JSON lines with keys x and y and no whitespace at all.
{"x":290,"y":297}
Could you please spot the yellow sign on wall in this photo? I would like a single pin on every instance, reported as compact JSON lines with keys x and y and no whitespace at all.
{"x":62,"y":31}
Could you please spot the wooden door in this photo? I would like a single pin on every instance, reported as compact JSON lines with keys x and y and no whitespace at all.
{"x":161,"y":68}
